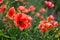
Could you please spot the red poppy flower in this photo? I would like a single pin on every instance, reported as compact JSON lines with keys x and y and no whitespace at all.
{"x":21,"y":20}
{"x":22,"y":9}
{"x":43,"y":31}
{"x":11,"y":12}
{"x":48,"y":25}
{"x":1,"y":1}
{"x":55,"y":23}
{"x":42,"y":10}
{"x":44,"y":25}
{"x":31,"y":8}
{"x":2,"y":8}
{"x":49,"y":4}
{"x":50,"y":18}
{"x":37,"y":14}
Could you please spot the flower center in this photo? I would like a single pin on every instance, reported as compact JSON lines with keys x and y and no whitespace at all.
{"x":19,"y":22}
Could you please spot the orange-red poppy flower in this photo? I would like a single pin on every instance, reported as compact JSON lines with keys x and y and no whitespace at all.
{"x":2,"y":8}
{"x":44,"y":25}
{"x":31,"y":8}
{"x":21,"y":20}
{"x":1,"y":1}
{"x":37,"y":14}
{"x":42,"y":10}
{"x":49,"y":18}
{"x":48,"y":25}
{"x":49,"y":4}
{"x":55,"y":23}
{"x":22,"y":9}
{"x":11,"y":12}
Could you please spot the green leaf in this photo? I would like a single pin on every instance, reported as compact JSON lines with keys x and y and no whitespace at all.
{"x":1,"y":32}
